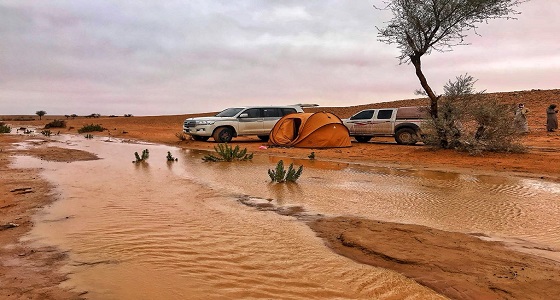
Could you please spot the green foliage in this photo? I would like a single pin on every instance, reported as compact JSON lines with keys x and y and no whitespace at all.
{"x":144,"y":157}
{"x":468,"y":121}
{"x":311,"y":156}
{"x":46,"y":132}
{"x":170,"y":157}
{"x":91,"y":128}
{"x":227,"y":153}
{"x":4,"y":128}
{"x":281,"y":175}
{"x":56,"y":124}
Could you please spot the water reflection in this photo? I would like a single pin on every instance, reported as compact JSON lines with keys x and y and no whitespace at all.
{"x":176,"y":231}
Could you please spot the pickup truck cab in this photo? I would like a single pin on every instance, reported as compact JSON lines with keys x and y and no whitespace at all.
{"x":404,"y":124}
{"x":238,"y":121}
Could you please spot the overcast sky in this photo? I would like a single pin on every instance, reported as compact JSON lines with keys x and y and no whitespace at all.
{"x":156,"y":57}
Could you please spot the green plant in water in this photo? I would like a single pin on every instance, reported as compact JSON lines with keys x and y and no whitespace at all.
{"x":4,"y":128}
{"x":144,"y":157}
{"x":227,"y":153}
{"x":281,"y":175}
{"x":90,"y":128}
{"x":170,"y":157}
{"x":311,"y":156}
{"x":46,"y":132}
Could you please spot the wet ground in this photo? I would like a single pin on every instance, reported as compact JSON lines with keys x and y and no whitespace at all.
{"x":176,"y":230}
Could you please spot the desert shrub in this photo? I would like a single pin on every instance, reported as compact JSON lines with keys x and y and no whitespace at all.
{"x":4,"y":128}
{"x":89,"y":136}
{"x":56,"y":124}
{"x":281,"y":175}
{"x":91,"y":128}
{"x":94,"y":115}
{"x":144,"y":157}
{"x":311,"y":156}
{"x":181,"y":136}
{"x":127,"y":115}
{"x":467,"y":122}
{"x":170,"y":157}
{"x":227,"y":153}
{"x":46,"y":132}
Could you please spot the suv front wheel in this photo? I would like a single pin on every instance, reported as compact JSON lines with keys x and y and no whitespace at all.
{"x":223,"y":135}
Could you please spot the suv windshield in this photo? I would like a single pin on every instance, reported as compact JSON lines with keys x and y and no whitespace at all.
{"x":230,"y":112}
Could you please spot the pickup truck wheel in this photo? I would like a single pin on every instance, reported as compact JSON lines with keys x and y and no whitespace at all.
{"x":200,"y":138}
{"x":362,"y":139}
{"x":263,"y":138}
{"x":406,"y":136}
{"x":223,"y":135}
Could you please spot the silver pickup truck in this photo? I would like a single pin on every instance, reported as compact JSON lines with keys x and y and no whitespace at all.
{"x":403,"y":123}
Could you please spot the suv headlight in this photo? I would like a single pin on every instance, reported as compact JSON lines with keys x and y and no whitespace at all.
{"x":205,"y":122}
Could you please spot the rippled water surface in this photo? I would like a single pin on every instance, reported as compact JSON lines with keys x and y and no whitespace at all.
{"x":160,"y":230}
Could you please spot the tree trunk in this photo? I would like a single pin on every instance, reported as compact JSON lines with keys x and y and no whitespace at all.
{"x":415,"y":59}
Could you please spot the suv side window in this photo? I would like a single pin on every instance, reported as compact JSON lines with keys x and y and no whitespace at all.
{"x":287,"y":111}
{"x":384,"y":114}
{"x":271,"y":112}
{"x":366,"y":114}
{"x":253,"y":113}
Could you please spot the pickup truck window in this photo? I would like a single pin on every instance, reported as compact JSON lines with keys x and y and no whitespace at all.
{"x":366,"y":114}
{"x":384,"y":114}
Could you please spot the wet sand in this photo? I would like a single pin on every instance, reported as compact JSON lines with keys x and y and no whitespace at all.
{"x":459,"y":266}
{"x":28,"y":272}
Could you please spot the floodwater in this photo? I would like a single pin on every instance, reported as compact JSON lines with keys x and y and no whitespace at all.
{"x":181,"y":230}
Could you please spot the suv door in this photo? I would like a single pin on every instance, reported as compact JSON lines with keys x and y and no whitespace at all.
{"x":252,"y":123}
{"x":271,"y":115}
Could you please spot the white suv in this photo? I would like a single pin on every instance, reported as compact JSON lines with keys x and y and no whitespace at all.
{"x":237,"y":121}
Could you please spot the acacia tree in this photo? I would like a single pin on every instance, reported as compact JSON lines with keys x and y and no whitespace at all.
{"x":420,"y":26}
{"x":41,"y":113}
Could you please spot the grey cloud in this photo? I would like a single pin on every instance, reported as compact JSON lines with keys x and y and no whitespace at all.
{"x":193,"y":56}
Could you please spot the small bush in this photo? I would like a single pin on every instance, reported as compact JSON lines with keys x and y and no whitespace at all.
{"x":181,"y":136}
{"x":468,"y":122}
{"x":127,"y":115}
{"x":311,"y":156}
{"x":226,"y":153}
{"x":4,"y":128}
{"x":91,"y":128}
{"x":46,"y":132}
{"x":89,"y":136}
{"x":56,"y":124}
{"x":281,"y":175}
{"x":144,"y":157}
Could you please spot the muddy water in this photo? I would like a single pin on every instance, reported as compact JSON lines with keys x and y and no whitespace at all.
{"x":160,"y":230}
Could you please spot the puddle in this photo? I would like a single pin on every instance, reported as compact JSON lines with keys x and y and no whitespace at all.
{"x":196,"y":230}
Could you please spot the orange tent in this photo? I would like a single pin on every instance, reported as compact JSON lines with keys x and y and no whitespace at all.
{"x":310,"y":130}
